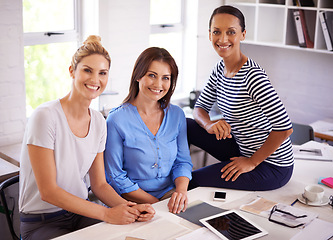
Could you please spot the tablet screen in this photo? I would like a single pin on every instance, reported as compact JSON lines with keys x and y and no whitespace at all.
{"x":231,"y":225}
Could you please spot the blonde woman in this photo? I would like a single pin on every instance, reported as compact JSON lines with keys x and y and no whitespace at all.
{"x":65,"y":140}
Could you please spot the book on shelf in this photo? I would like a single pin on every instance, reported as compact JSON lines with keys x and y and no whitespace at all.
{"x":326,"y":32}
{"x":303,"y":3}
{"x":303,"y":36}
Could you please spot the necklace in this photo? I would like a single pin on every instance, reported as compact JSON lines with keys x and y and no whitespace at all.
{"x":155,"y":165}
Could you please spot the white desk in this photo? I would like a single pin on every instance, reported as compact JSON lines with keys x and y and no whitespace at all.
{"x":7,"y":169}
{"x":168,"y":226}
{"x":9,"y":161}
{"x":11,"y":153}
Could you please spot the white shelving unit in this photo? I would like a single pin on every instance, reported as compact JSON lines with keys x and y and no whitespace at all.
{"x":271,"y":22}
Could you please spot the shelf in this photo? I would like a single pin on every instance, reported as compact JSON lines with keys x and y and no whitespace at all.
{"x":271,"y":22}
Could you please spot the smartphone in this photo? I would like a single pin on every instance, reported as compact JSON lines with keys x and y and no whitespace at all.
{"x":220,"y":196}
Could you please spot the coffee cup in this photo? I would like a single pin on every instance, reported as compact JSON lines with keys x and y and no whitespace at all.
{"x":313,"y":193}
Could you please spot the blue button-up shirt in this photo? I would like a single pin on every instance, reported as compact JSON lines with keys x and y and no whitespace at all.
{"x":135,"y":158}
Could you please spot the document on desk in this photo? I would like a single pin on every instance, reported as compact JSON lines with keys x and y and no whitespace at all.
{"x":259,"y":206}
{"x":282,"y":214}
{"x":318,"y":229}
{"x":313,"y":150}
{"x":158,"y":229}
{"x":199,"y":234}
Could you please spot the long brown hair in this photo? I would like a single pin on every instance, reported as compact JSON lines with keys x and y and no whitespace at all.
{"x":141,"y":68}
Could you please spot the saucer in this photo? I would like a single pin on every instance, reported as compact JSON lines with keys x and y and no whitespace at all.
{"x":323,"y":201}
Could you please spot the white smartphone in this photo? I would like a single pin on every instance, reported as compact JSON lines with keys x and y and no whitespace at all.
{"x":220,"y":196}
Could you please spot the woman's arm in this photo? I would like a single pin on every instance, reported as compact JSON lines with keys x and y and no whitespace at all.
{"x":44,"y":168}
{"x":220,"y":128}
{"x":178,"y":201}
{"x":261,"y":90}
{"x":241,"y":165}
{"x":181,"y":169}
{"x":106,"y":193}
{"x":114,"y":164}
{"x":140,"y":196}
{"x":100,"y":187}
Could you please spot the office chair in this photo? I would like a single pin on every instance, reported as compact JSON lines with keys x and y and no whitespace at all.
{"x":8,"y":182}
{"x":301,"y":134}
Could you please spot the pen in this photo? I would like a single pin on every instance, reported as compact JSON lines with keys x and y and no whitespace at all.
{"x":309,"y":150}
{"x":293,"y":203}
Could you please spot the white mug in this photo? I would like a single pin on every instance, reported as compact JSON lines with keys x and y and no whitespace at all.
{"x":314,"y":193}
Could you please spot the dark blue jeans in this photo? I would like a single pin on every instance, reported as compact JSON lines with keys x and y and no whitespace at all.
{"x":264,"y":177}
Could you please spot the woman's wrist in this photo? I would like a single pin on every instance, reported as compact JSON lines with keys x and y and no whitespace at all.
{"x":255,"y":162}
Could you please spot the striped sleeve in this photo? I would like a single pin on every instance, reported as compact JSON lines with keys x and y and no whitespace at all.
{"x":263,"y":93}
{"x":209,"y":94}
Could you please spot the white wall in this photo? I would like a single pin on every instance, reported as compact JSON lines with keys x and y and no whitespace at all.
{"x":303,"y":79}
{"x":12,"y":82}
{"x":206,"y":56}
{"x":124,"y":28}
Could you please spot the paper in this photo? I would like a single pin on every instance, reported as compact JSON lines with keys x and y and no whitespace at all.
{"x":318,"y":229}
{"x":263,"y":207}
{"x":199,"y":234}
{"x":259,"y":206}
{"x":159,"y":230}
{"x":313,"y":150}
{"x":287,"y":213}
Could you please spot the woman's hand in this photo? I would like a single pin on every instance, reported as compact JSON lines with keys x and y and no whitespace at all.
{"x":121,"y":214}
{"x":178,"y":202}
{"x":147,"y":212}
{"x":220,"y":128}
{"x":236,"y":167}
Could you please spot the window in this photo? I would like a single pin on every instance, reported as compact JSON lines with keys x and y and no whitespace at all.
{"x":51,"y":35}
{"x":174,"y":27}
{"x":166,"y":21}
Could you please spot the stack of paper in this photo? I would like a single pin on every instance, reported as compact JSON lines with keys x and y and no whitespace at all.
{"x":318,"y":229}
{"x":285,"y":213}
{"x":313,"y":150}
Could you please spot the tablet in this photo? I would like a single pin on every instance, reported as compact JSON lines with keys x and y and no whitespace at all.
{"x":232,"y":225}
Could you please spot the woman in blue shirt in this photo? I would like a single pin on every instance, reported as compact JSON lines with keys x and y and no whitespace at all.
{"x":147,"y":157}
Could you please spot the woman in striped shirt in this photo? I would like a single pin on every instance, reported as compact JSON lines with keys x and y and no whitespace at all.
{"x":252,"y":140}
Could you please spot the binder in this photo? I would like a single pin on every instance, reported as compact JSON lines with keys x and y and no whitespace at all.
{"x":299,"y":30}
{"x":302,"y":30}
{"x":327,"y":34}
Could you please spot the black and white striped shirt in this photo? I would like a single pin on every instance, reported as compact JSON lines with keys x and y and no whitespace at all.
{"x":249,"y":103}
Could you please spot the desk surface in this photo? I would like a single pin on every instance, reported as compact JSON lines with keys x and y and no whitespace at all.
{"x":11,"y":153}
{"x":169,"y":226}
{"x":323,"y":129}
{"x":7,"y":169}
